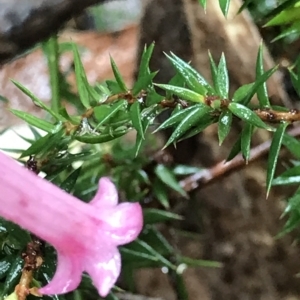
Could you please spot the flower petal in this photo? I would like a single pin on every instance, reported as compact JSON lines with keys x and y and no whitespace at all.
{"x":107,"y":194}
{"x":122,"y":223}
{"x":67,"y":276}
{"x":104,"y":269}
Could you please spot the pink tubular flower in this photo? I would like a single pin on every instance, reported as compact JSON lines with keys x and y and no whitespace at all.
{"x":85,"y":236}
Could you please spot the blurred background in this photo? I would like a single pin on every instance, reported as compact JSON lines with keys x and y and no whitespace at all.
{"x":229,"y":221}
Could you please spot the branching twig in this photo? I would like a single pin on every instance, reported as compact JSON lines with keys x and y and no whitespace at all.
{"x":209,"y":175}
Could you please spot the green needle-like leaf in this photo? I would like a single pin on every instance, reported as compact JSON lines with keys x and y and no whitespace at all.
{"x":292,"y":144}
{"x":34,"y":121}
{"x":160,"y":192}
{"x":286,"y":180}
{"x":177,"y":116}
{"x":184,"y":70}
{"x":258,"y":82}
{"x":135,"y":114}
{"x":284,"y":17}
{"x":191,"y":70}
{"x":274,"y":152}
{"x":290,"y":31}
{"x":262,"y":93}
{"x":153,"y":216}
{"x":188,"y":122}
{"x":246,"y":141}
{"x":118,"y":76}
{"x":139,"y":139}
{"x":235,"y":149}
{"x":144,"y":65}
{"x":241,"y":93}
{"x":81,"y":79}
{"x":105,"y":115}
{"x":213,"y":70}
{"x":13,"y":275}
{"x":247,"y":115}
{"x":222,"y":78}
{"x":37,"y":101}
{"x":203,"y":3}
{"x":183,"y":93}
{"x":224,"y":125}
{"x":69,"y":183}
{"x":168,"y":178}
{"x":224,"y":5}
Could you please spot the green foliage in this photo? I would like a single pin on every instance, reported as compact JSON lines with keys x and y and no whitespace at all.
{"x":80,"y":147}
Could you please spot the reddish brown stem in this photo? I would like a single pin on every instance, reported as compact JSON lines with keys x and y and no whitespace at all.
{"x":207,"y":176}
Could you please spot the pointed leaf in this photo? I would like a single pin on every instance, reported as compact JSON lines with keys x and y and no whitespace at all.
{"x":286,"y":180}
{"x":160,"y":192}
{"x":224,"y":5}
{"x":113,"y":87}
{"x":183,"y":93}
{"x":203,"y":3}
{"x":290,"y":31}
{"x":205,"y":121}
{"x":188,"y":122}
{"x":184,"y":70}
{"x":292,"y":144}
{"x":222,"y":78}
{"x":191,"y":70}
{"x":135,"y":115}
{"x":34,"y":121}
{"x":40,"y":143}
{"x":274,"y":152}
{"x":200,"y":262}
{"x":146,"y":121}
{"x":236,"y":149}
{"x":284,"y":17}
{"x":213,"y":70}
{"x":246,"y":141}
{"x":247,"y":115}
{"x":37,"y":101}
{"x":241,"y":93}
{"x":177,"y":116}
{"x":262,"y":93}
{"x":144,"y":65}
{"x":143,"y":83}
{"x":224,"y":125}
{"x":5,"y":264}
{"x":118,"y":76}
{"x":69,"y":183}
{"x":258,"y":82}
{"x":113,"y":109}
{"x":294,"y":171}
{"x":168,"y":178}
{"x":153,"y":216}
{"x":80,"y":79}
{"x":13,"y":275}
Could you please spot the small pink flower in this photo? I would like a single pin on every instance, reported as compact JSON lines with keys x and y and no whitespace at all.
{"x":85,"y":236}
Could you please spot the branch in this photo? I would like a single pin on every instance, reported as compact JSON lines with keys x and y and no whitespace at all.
{"x":23,"y":23}
{"x":273,"y":116}
{"x":207,"y":176}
